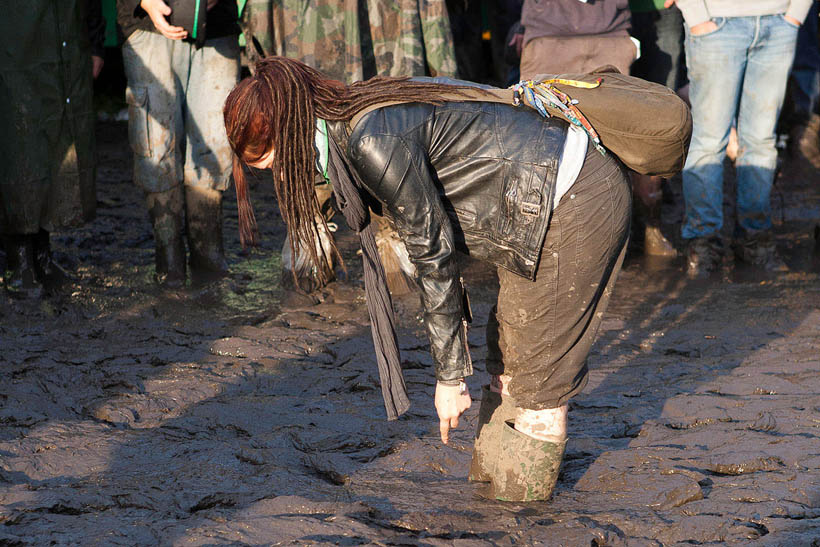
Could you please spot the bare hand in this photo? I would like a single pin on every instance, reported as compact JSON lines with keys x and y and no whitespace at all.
{"x":703,"y":28}
{"x":97,"y":63}
{"x":158,"y":10}
{"x":451,"y":402}
{"x":792,"y":20}
{"x":517,"y":41}
{"x":211,"y":3}
{"x":668,"y":4}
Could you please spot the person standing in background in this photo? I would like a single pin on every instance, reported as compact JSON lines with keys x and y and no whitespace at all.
{"x":575,"y":36}
{"x":181,"y":156}
{"x":51,"y":51}
{"x":738,"y":57}
{"x":350,"y":41}
{"x":804,"y":134}
{"x":660,"y":32}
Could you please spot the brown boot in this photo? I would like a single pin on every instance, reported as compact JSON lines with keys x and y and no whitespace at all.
{"x":204,"y":219}
{"x":647,"y":207}
{"x":166,"y":210}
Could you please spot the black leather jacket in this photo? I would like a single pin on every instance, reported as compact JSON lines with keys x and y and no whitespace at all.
{"x":469,"y":176}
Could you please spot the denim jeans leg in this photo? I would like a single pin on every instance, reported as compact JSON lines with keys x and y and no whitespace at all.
{"x":764,"y":88}
{"x":716,"y":63}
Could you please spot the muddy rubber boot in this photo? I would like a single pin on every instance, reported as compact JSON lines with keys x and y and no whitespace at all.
{"x":52,"y":274}
{"x":204,"y":218}
{"x":527,"y":468}
{"x":166,"y":212}
{"x":648,"y":197}
{"x":655,"y":243}
{"x":20,"y":278}
{"x":494,"y":411}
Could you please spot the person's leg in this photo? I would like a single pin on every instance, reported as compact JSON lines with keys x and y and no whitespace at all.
{"x":760,"y":105}
{"x":154,"y":125}
{"x":716,"y":63}
{"x":211,"y":72}
{"x":806,"y":70}
{"x":804,"y":132}
{"x":547,"y":326}
{"x":20,"y":278}
{"x":661,"y":36}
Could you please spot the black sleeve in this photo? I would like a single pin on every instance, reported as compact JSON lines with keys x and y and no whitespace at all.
{"x":96,"y":27}
{"x":397,"y":174}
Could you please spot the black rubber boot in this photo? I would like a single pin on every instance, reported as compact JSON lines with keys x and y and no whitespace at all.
{"x":166,"y":212}
{"x":204,"y":217}
{"x":52,"y":274}
{"x":494,"y":411}
{"x":20,"y":279}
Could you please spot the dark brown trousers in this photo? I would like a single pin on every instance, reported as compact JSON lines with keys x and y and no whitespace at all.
{"x":543,"y":330}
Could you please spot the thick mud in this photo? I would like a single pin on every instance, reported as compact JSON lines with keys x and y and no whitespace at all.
{"x":239,"y":414}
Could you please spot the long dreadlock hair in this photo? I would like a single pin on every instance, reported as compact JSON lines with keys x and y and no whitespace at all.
{"x":276,"y":109}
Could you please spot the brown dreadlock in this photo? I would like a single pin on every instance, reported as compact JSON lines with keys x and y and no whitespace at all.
{"x":276,"y":109}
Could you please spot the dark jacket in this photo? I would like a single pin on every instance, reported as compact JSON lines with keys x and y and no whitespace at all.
{"x":46,"y":113}
{"x":575,"y":18}
{"x":221,"y":21}
{"x":468,"y":176}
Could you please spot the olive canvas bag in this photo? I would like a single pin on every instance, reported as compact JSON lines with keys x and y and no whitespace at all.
{"x":645,"y":124}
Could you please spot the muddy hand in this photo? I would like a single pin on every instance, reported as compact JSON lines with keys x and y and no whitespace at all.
{"x":451,"y":402}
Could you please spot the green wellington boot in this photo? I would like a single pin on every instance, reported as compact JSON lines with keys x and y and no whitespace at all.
{"x":492,"y":414}
{"x":527,"y":468}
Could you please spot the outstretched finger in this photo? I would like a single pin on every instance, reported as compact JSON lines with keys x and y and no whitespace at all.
{"x":454,"y":422}
{"x":444,"y":428}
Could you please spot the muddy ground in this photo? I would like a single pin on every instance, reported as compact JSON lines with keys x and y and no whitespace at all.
{"x":239,"y":414}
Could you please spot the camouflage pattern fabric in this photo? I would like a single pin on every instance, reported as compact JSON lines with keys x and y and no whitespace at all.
{"x":353,"y":40}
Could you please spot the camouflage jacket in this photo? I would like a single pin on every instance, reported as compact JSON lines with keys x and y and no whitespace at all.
{"x":353,"y":40}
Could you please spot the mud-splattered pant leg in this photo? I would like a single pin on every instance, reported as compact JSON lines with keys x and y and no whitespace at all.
{"x":175,"y":94}
{"x":546,"y":327}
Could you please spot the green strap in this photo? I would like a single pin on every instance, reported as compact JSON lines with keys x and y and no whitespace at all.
{"x":196,"y":20}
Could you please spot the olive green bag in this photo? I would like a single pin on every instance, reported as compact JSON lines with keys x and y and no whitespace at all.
{"x":645,"y":124}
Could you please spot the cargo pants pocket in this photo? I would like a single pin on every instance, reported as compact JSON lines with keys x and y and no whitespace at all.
{"x":137,"y":100}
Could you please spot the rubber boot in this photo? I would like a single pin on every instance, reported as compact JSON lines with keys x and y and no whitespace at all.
{"x":52,"y":274}
{"x":20,"y":278}
{"x":527,"y":468}
{"x":654,"y":242}
{"x":204,"y":217}
{"x":648,"y":199}
{"x":494,"y":411}
{"x":166,"y":212}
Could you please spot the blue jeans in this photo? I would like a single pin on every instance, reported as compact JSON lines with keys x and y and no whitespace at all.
{"x":737,"y":71}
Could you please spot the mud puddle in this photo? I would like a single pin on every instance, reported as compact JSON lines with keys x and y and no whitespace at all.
{"x":236,"y":414}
